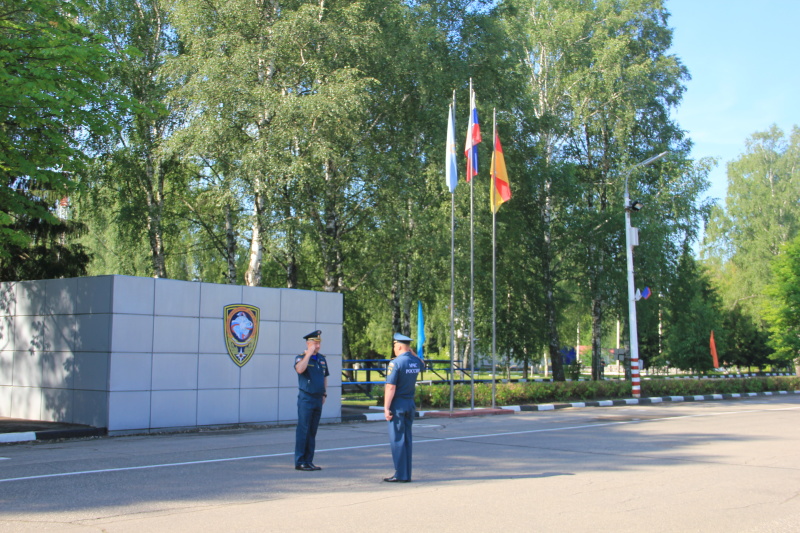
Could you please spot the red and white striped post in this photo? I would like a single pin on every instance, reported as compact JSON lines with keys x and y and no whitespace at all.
{"x":631,"y":240}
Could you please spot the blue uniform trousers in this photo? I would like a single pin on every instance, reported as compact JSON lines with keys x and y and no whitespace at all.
{"x":309,"y":411}
{"x":400,"y":436}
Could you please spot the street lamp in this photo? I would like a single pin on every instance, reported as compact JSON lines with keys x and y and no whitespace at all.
{"x":630,"y":242}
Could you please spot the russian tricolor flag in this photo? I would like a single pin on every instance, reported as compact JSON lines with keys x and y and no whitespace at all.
{"x":473,"y":138}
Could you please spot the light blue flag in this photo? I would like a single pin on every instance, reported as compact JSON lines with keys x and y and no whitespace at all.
{"x":420,"y":330}
{"x":451,"y":166}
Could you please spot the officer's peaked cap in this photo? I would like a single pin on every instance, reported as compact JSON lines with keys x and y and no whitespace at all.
{"x":313,"y":336}
{"x":399,"y":337}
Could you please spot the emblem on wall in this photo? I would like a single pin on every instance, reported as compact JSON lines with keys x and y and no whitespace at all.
{"x":241,"y":331}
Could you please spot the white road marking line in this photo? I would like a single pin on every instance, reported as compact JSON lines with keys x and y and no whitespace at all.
{"x":421,"y":441}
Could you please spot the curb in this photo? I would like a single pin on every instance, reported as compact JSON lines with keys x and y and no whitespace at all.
{"x":647,"y":401}
{"x":510,"y":409}
{"x":51,"y":434}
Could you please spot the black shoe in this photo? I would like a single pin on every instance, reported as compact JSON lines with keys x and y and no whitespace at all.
{"x":303,"y":466}
{"x":395,"y":480}
{"x":314,"y":467}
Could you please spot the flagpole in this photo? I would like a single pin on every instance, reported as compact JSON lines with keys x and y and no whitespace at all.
{"x":492,"y":192}
{"x":452,"y":287}
{"x":471,"y":258}
{"x":471,"y":336}
{"x":452,"y":268}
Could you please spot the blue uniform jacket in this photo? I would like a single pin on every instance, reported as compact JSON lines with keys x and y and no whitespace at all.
{"x":312,"y":380}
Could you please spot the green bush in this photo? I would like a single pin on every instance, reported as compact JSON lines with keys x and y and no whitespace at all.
{"x":437,"y":396}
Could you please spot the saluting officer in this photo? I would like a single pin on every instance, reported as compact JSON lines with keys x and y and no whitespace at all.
{"x":312,"y":377}
{"x":398,"y":405}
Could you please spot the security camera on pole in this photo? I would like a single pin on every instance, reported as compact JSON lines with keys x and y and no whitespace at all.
{"x":631,"y":240}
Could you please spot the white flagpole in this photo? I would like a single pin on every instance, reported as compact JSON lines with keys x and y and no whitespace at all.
{"x":492,"y":192}
{"x":452,"y":264}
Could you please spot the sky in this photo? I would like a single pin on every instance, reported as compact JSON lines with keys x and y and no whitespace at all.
{"x":744,"y":60}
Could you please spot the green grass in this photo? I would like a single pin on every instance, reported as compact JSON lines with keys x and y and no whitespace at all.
{"x":358,"y":401}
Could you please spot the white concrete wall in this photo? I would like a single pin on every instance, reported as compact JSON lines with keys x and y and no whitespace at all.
{"x":133,"y":354}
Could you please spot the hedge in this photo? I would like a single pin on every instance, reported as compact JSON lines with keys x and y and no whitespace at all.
{"x":438,"y":396}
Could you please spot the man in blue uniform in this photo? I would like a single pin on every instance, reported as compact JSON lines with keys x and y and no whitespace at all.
{"x":312,"y":378}
{"x":398,"y":405}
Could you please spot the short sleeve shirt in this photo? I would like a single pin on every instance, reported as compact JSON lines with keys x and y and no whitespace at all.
{"x":402,"y":373}
{"x":312,"y":380}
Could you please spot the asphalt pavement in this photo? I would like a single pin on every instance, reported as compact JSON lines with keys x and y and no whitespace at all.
{"x":667,"y":467}
{"x":20,"y":430}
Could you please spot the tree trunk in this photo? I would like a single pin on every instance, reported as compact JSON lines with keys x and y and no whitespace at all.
{"x":330,"y":234}
{"x":155,"y":207}
{"x":406,"y":299}
{"x":462,"y":361}
{"x":291,"y":253}
{"x":551,"y":313}
{"x":252,"y":277}
{"x":597,"y":330}
{"x":230,"y":244}
{"x":395,"y":304}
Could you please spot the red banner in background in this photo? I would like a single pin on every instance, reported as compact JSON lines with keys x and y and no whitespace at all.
{"x":714,"y":350}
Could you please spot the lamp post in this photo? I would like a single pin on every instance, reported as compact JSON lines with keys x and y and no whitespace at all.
{"x":629,"y":244}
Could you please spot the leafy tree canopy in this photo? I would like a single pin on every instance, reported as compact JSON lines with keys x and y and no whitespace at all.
{"x":51,"y":103}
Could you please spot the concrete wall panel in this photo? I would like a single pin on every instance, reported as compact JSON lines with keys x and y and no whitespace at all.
{"x":291,"y":337}
{"x":218,"y":371}
{"x":215,"y":407}
{"x":27,"y":369}
{"x":6,"y":369}
{"x":30,"y":298}
{"x":269,"y":338}
{"x":287,"y":405}
{"x":135,"y":354}
{"x":57,"y":370}
{"x":134,"y":296}
{"x":177,"y":298}
{"x":258,"y":406}
{"x":5,"y":398}
{"x":129,"y":410}
{"x":174,"y":371}
{"x":93,"y":332}
{"x":131,"y":372}
{"x":132,"y":333}
{"x":261,"y":372}
{"x":176,"y":335}
{"x":60,"y":333}
{"x":173,"y":409}
{"x":8,"y":298}
{"x":90,"y":371}
{"x":95,"y":295}
{"x":61,"y":296}
{"x":30,"y":333}
{"x":91,"y":408}
{"x":7,"y":333}
{"x":26,"y":402}
{"x":298,"y":306}
{"x":212,"y":336}
{"x":58,"y":405}
{"x":268,"y":300}
{"x":214,"y":298}
{"x":330,"y":309}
